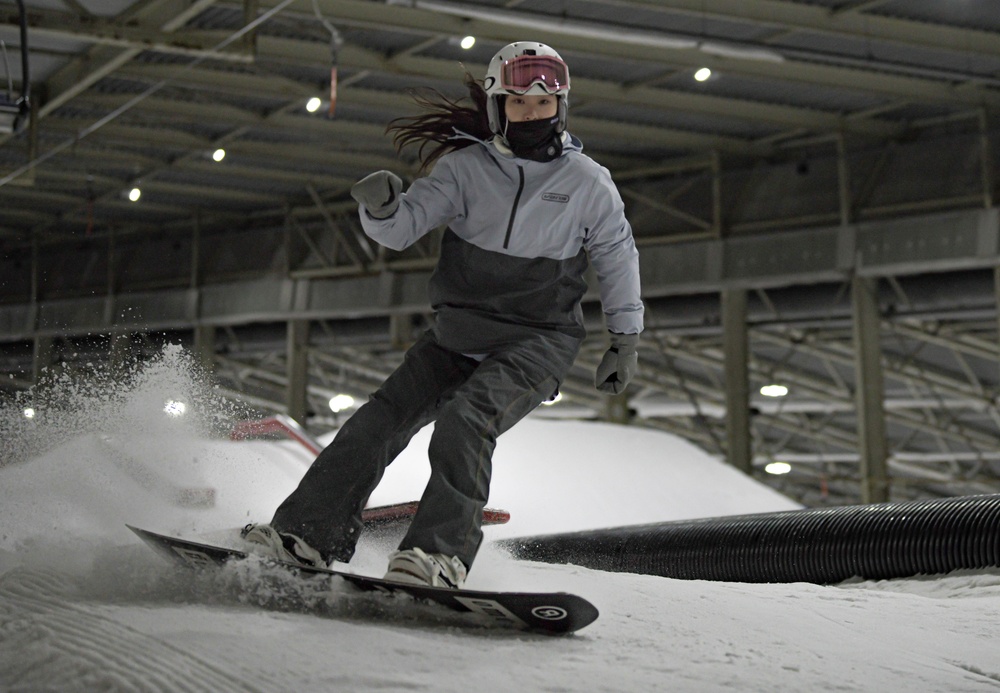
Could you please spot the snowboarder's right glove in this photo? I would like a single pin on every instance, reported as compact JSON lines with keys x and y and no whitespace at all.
{"x":378,"y":193}
{"x":619,"y":363}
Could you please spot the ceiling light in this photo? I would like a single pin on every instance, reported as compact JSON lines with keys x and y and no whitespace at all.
{"x":568,"y":27}
{"x":339,"y":403}
{"x":13,"y":115}
{"x":134,"y":194}
{"x":774,"y":390}
{"x":595,"y":30}
{"x":468,"y":42}
{"x":557,"y":398}
{"x":703,"y":74}
{"x":29,"y":413}
{"x":175,"y":408}
{"x":219,"y":154}
{"x":313,"y":104}
{"x":778,"y":468}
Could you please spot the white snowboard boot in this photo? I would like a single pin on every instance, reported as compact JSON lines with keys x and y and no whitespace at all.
{"x":415,"y":567}
{"x":282,"y":546}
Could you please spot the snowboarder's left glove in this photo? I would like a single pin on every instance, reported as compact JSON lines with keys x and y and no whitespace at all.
{"x":619,"y":363}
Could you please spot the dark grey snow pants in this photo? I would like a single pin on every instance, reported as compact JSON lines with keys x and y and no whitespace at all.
{"x":471,"y":402}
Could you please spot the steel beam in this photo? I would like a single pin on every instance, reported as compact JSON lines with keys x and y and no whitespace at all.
{"x":736,"y":350}
{"x":869,"y":391}
{"x":204,"y":346}
{"x":297,"y":356}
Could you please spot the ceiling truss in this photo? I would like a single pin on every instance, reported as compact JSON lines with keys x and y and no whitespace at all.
{"x":820,"y":114}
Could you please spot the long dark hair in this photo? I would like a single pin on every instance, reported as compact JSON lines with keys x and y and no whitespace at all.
{"x":434,"y":130}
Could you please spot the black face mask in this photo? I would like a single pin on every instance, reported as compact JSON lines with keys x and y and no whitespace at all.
{"x":534,"y":139}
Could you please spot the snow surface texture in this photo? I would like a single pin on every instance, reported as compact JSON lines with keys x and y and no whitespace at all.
{"x":85,"y":607}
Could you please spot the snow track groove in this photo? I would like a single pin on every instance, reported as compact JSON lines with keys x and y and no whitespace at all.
{"x":44,"y":637}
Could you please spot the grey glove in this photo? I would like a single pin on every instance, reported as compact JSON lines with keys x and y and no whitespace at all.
{"x":619,"y":363}
{"x":378,"y":193}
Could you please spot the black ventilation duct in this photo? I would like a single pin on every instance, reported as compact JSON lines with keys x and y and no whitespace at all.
{"x":823,"y":546}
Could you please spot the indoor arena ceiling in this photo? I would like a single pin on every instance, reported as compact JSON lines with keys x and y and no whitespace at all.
{"x":734,"y":120}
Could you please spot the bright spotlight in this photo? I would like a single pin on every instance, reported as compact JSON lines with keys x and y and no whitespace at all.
{"x":175,"y":408}
{"x":468,"y":42}
{"x":313,"y":104}
{"x":339,"y":403}
{"x":29,"y":413}
{"x":774,"y":390}
{"x":778,"y":468}
{"x":703,"y":74}
{"x":219,"y":154}
{"x":134,"y":194}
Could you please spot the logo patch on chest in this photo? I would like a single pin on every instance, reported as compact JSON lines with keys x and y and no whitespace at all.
{"x":555,"y":197}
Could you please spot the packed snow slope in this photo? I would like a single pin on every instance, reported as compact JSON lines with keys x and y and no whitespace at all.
{"x":85,"y":607}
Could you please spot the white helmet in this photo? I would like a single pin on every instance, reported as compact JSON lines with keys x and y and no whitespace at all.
{"x":525,"y":67}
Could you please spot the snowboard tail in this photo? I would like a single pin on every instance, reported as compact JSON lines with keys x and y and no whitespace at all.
{"x":552,"y":613}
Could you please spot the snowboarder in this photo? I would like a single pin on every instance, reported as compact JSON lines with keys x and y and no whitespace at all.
{"x":524,"y":208}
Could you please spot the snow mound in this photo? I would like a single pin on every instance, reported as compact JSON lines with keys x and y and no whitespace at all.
{"x":561,"y":476}
{"x":551,"y":477}
{"x":103,"y":453}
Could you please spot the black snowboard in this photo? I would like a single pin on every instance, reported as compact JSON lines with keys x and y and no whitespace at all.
{"x":552,"y":613}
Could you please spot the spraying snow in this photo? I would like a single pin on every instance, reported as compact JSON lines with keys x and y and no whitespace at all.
{"x":84,"y":606}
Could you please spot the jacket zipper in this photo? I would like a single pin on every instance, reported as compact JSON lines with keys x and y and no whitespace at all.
{"x":513,"y":210}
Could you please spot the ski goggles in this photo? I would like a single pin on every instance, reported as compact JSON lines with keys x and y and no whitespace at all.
{"x":523,"y":72}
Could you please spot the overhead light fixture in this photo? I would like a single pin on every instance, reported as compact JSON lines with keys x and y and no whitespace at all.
{"x":778,"y":468}
{"x":175,"y":408}
{"x":13,"y":115}
{"x":339,"y":403}
{"x":468,"y":42}
{"x":774,"y":390}
{"x":555,"y":24}
{"x":29,"y":413}
{"x":219,"y":154}
{"x":134,"y":194}
{"x":593,"y":30}
{"x":703,"y":74}
{"x":313,"y":104}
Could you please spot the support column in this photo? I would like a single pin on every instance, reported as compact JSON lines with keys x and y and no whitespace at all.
{"x":616,"y":409}
{"x":120,"y":352}
{"x":986,"y":160}
{"x":110,"y":287}
{"x":204,"y":335}
{"x":844,"y":182}
{"x":298,"y":369}
{"x":736,"y":350}
{"x":716,"y":194}
{"x":869,"y":391}
{"x":204,"y":347}
{"x":250,"y":11}
{"x":996,"y":292}
{"x":400,"y":330}
{"x":196,"y":251}
{"x":44,"y":346}
{"x":44,"y":350}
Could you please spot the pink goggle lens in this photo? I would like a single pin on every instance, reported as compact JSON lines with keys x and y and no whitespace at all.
{"x":522,"y":73}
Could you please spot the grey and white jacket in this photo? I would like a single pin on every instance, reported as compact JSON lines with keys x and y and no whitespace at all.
{"x":514,"y":255}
